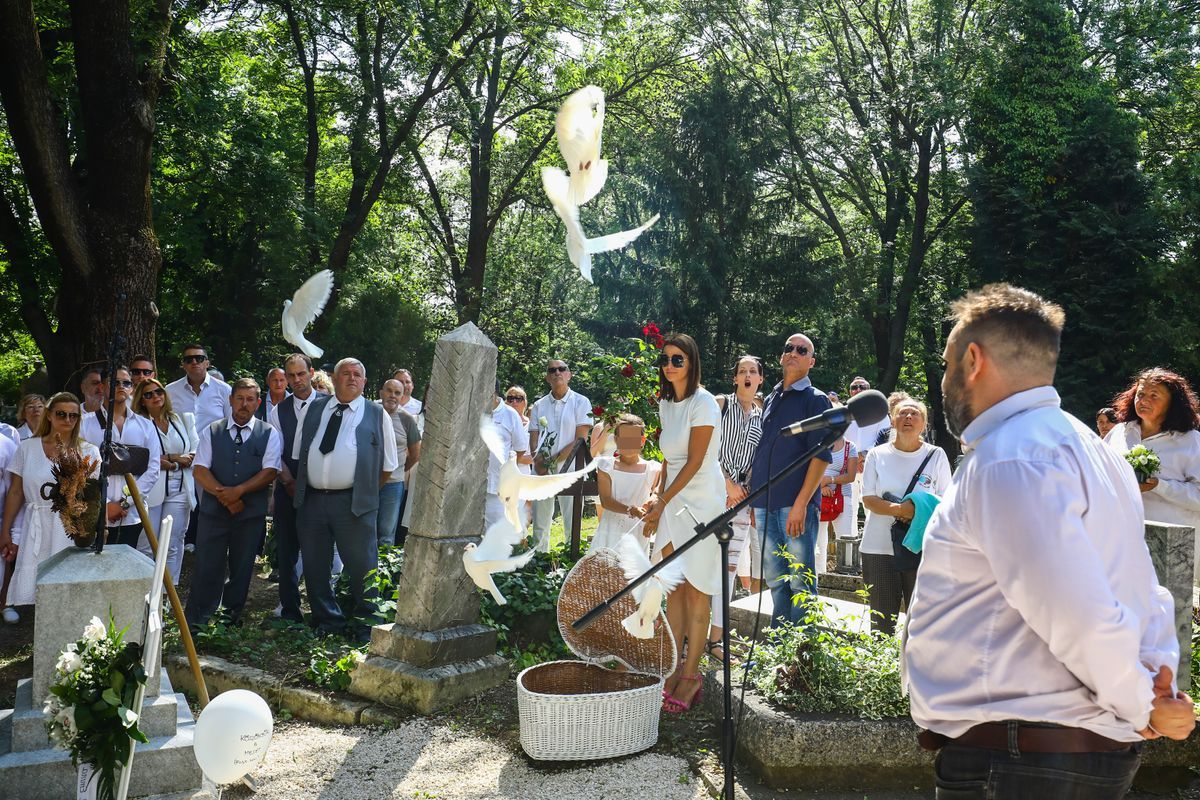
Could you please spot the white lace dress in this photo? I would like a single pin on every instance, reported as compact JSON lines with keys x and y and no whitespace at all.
{"x":42,"y":534}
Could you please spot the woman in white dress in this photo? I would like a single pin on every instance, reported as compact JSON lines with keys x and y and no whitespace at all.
{"x":1160,"y":411}
{"x":625,"y":482}
{"x":694,"y":485}
{"x":175,"y":492}
{"x":42,"y":534}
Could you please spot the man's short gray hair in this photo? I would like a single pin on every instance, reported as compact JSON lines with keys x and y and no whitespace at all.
{"x":349,"y":360}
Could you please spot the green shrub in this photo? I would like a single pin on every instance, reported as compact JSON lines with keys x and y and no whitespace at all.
{"x":531,"y":590}
{"x":820,"y":668}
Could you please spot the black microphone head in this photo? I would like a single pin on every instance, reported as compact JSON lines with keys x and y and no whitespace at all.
{"x":867,"y":407}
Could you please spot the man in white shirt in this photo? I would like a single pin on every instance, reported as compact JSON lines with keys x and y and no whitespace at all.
{"x":516,"y":440}
{"x":89,"y":389}
{"x":556,"y":422}
{"x":1040,"y":647}
{"x":124,"y":524}
{"x":236,"y":461}
{"x":409,"y":403}
{"x":863,"y":438}
{"x":198,"y":392}
{"x":277,"y":390}
{"x":288,"y":419}
{"x":347,"y":451}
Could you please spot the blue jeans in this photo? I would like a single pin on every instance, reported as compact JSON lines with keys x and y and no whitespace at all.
{"x":772,"y":526}
{"x":391,"y":496}
{"x":972,"y":773}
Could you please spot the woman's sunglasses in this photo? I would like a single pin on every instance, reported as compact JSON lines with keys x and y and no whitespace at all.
{"x":676,"y":361}
{"x":153,"y":393}
{"x":71,"y":415}
{"x":514,"y":398}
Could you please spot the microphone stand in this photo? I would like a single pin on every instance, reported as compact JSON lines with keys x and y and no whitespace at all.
{"x":115,"y":348}
{"x":720,"y":527}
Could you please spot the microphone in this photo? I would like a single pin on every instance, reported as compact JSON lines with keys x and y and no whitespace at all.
{"x":865,"y":408}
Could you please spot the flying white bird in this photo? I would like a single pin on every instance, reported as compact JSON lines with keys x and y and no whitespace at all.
{"x":305,"y":306}
{"x":494,"y":554}
{"x":649,"y":595}
{"x":515,"y":486}
{"x":579,"y":124}
{"x":580,"y":249}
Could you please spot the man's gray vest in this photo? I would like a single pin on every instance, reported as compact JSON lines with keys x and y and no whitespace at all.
{"x":233,"y":464}
{"x":368,"y":467}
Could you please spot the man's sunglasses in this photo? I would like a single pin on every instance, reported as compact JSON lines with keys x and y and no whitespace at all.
{"x":802,"y":349}
{"x":514,"y":398}
{"x":153,"y":393}
{"x":146,"y":372}
{"x":71,"y":415}
{"x":552,"y":370}
{"x":676,"y":361}
{"x":857,"y":387}
{"x":195,"y":359}
{"x":126,"y":384}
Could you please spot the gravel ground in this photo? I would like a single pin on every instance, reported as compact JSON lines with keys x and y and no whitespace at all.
{"x":432,"y":760}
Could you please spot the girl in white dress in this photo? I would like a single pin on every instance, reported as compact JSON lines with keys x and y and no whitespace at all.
{"x":692,"y":480}
{"x":42,"y":533}
{"x":625,"y":482}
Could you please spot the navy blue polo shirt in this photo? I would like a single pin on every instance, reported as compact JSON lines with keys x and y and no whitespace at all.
{"x":783,"y":407}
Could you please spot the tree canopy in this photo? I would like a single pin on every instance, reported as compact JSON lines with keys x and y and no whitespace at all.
{"x":839,"y":168}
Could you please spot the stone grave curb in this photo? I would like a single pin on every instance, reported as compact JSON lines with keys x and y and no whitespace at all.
{"x":825,"y":752}
{"x":306,"y":704}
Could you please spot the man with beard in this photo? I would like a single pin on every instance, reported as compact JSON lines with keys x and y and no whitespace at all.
{"x":1040,"y":647}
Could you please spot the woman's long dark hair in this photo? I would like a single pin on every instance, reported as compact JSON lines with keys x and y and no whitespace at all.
{"x":1183,"y":412}
{"x":691,"y":351}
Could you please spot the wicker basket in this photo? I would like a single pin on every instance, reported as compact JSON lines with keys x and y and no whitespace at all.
{"x":580,"y":710}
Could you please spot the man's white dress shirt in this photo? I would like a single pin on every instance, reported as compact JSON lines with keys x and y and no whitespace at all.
{"x":561,"y":417}
{"x":300,"y":407}
{"x":209,"y":405}
{"x":514,"y":436}
{"x":272,"y":456}
{"x":138,"y":431}
{"x":335,"y":470}
{"x":1036,"y":599}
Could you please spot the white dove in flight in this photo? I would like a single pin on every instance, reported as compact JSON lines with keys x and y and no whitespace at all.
{"x":305,"y":306}
{"x":580,"y":249}
{"x":494,"y":554}
{"x":579,"y":124}
{"x":515,"y":486}
{"x":649,"y":595}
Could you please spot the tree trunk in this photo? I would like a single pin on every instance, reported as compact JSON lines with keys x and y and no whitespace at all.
{"x":97,"y":217}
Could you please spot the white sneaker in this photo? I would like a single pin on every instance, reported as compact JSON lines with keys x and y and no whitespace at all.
{"x":11,"y":616}
{"x":189,"y":548}
{"x":278,"y":612}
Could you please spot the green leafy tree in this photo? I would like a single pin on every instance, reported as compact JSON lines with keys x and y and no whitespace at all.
{"x":1061,"y":205}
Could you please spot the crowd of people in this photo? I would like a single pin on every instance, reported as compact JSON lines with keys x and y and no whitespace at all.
{"x":222,"y":458}
{"x":1033,"y":545}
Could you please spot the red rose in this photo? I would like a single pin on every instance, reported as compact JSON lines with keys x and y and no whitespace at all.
{"x":658,"y":341}
{"x":656,"y":434}
{"x":597,"y":411}
{"x":627,"y":370}
{"x":651,"y":330}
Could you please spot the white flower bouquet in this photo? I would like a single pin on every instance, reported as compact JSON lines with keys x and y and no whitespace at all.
{"x":89,"y":708}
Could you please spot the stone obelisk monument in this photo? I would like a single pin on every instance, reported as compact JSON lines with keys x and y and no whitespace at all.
{"x":436,"y":653}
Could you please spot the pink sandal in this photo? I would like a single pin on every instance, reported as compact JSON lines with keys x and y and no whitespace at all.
{"x":673,"y":705}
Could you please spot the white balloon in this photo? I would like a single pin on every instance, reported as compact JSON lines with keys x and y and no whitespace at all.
{"x":232,"y":735}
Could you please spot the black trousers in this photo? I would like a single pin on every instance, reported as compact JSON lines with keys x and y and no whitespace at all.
{"x":224,"y":545}
{"x":124,"y":534}
{"x":972,"y":773}
{"x":887,"y":589}
{"x":287,"y":554}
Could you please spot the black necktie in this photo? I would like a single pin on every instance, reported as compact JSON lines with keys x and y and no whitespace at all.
{"x":331,"y":430}
{"x":101,"y":418}
{"x":238,"y":438}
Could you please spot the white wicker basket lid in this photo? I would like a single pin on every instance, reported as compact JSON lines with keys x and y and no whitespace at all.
{"x":595,"y":578}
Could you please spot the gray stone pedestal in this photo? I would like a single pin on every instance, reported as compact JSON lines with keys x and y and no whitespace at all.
{"x":436,"y":653}
{"x":73,"y":586}
{"x":1172,"y":550}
